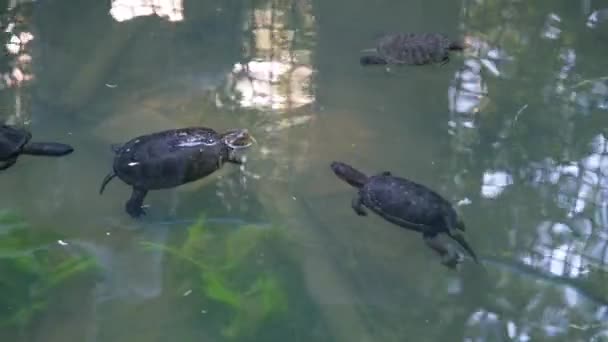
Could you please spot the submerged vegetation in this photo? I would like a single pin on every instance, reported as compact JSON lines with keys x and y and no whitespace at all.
{"x":239,"y":276}
{"x":34,"y":267}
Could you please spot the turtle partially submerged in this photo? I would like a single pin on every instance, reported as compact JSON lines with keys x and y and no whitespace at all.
{"x":16,"y":141}
{"x":406,"y":204}
{"x":174,"y":157}
{"x":411,"y":48}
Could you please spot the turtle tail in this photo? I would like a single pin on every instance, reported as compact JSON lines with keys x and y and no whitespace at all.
{"x":372,"y":60}
{"x":106,"y":180}
{"x":349,"y":174}
{"x":460,"y":239}
{"x":47,"y":149}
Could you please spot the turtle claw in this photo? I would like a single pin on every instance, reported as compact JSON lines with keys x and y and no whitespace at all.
{"x":134,"y":210}
{"x":134,"y":206}
{"x":451,"y":260}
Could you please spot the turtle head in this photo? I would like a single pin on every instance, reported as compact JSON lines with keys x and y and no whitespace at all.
{"x":349,"y":174}
{"x":237,"y":139}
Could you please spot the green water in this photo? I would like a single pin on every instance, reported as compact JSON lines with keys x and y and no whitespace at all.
{"x":512,"y":130}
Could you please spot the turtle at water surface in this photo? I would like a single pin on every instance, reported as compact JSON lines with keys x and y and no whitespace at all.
{"x":406,"y":204}
{"x":411,"y":48}
{"x":171,"y":158}
{"x":16,"y":141}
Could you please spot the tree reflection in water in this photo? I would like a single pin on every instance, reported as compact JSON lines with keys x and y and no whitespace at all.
{"x":547,"y":177}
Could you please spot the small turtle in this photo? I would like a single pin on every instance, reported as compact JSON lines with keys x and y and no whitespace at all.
{"x":170,"y":158}
{"x":16,"y":141}
{"x":406,"y":204}
{"x":411,"y":48}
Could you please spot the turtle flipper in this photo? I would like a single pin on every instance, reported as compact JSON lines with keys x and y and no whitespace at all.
{"x":434,"y":244}
{"x":133,"y":207}
{"x":106,"y":180}
{"x":5,"y":164}
{"x":51,"y":149}
{"x":447,"y":259}
{"x":372,"y":60}
{"x":357,"y":205}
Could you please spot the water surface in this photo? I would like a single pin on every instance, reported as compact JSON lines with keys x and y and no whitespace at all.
{"x":512,"y":131}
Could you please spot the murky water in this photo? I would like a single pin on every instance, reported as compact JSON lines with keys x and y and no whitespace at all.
{"x":512,"y":131}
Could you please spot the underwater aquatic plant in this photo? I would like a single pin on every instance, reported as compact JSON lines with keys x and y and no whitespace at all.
{"x":32,"y":267}
{"x":224,"y":266}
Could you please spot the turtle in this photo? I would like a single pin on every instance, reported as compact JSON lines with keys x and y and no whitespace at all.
{"x":411,"y":48}
{"x":170,"y":158}
{"x":15,"y":141}
{"x":407,"y":204}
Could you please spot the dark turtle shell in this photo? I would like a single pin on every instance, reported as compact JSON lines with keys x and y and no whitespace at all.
{"x":406,"y":204}
{"x":409,"y":204}
{"x":414,"y":206}
{"x":414,"y":48}
{"x":12,"y":141}
{"x":170,"y":158}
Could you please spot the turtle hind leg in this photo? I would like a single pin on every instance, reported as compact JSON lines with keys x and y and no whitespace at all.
{"x":133,"y":207}
{"x":448,"y":259}
{"x":357,"y":204}
{"x":372,"y":60}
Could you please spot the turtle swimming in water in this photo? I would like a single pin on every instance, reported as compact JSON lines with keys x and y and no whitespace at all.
{"x":406,"y":204}
{"x":171,"y":158}
{"x":16,"y":141}
{"x":411,"y":48}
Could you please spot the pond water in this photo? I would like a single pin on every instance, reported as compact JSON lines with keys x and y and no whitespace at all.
{"x":512,"y":131}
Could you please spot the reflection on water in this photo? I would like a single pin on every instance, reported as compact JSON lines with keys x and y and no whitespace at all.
{"x":16,"y":68}
{"x":279,"y":74}
{"x":519,"y":142}
{"x":271,"y":84}
{"x":274,"y":80}
{"x":123,"y":10}
{"x":561,"y":239}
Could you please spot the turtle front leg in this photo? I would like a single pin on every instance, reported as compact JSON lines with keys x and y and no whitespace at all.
{"x":135,"y":203}
{"x":447,"y":259}
{"x":357,"y":205}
